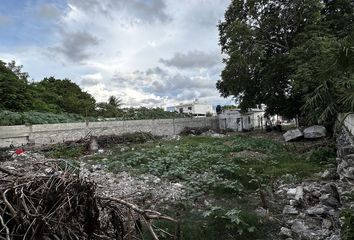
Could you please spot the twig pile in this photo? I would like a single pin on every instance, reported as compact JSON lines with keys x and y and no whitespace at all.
{"x":64,"y":206}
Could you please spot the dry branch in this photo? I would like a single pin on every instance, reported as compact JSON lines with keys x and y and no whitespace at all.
{"x":64,"y":206}
{"x":9,"y":172}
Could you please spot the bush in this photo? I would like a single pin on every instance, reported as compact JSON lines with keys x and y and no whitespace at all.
{"x":348,"y":224}
{"x":8,"y":118}
{"x":322,"y":154}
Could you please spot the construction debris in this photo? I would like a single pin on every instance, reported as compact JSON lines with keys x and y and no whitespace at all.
{"x":60,"y":204}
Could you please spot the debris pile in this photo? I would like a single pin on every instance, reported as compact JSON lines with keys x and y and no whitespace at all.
{"x":203,"y":131}
{"x":312,"y":211}
{"x":136,"y":137}
{"x":54,"y":202}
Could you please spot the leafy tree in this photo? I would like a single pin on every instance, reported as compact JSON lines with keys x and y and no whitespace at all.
{"x":56,"y":95}
{"x":14,"y":94}
{"x":17,"y":70}
{"x":115,"y":101}
{"x":282,"y":52}
{"x":111,"y":108}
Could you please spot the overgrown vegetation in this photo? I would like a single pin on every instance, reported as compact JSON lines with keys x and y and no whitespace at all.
{"x":54,"y":100}
{"x":8,"y":118}
{"x":348,"y":224}
{"x":294,"y":56}
{"x":226,"y":180}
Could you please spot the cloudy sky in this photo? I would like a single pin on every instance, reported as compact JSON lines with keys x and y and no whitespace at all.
{"x":148,"y":52}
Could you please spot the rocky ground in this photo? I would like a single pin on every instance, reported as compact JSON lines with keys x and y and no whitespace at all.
{"x":311,"y":209}
{"x":145,"y":189}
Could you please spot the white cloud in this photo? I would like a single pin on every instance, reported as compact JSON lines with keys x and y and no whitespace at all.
{"x":152,"y":53}
{"x":192,"y":59}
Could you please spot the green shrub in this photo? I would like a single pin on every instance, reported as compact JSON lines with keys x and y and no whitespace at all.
{"x":8,"y":118}
{"x":348,"y":224}
{"x":322,"y":155}
{"x":66,"y":151}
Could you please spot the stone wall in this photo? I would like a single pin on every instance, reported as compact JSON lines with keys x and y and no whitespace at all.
{"x":345,"y":147}
{"x":55,"y":133}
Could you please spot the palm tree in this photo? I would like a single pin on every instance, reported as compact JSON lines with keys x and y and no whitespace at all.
{"x":115,"y":102}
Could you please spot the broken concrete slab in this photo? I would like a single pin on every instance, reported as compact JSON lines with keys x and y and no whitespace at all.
{"x":290,"y":210}
{"x":286,"y":232}
{"x":299,"y":194}
{"x":317,"y":210}
{"x":298,"y":227}
{"x":293,"y":134}
{"x":316,"y":131}
{"x":93,"y":145}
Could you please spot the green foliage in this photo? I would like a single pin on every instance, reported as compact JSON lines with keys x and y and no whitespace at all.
{"x":62,"y":96}
{"x":211,"y":169}
{"x":8,"y":118}
{"x":241,"y":143}
{"x":66,"y":151}
{"x":69,"y":166}
{"x":110,"y":109}
{"x":49,"y":95}
{"x":14,"y":93}
{"x":348,"y":224}
{"x":294,"y":56}
{"x":323,"y":155}
{"x":149,"y":113}
{"x":237,"y":222}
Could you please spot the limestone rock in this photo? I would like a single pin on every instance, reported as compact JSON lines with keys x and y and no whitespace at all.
{"x":291,"y":192}
{"x":317,"y":210}
{"x":298,"y":227}
{"x":262,"y":212}
{"x":334,"y":237}
{"x":93,"y":147}
{"x":315,"y":131}
{"x":329,"y":200}
{"x":290,"y":210}
{"x":345,"y":168}
{"x":345,"y":150}
{"x":329,"y":174}
{"x":326,"y":223}
{"x":292,"y":134}
{"x":286,"y":232}
{"x":299,"y":194}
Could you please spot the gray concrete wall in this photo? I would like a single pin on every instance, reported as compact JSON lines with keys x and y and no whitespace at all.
{"x":43,"y":134}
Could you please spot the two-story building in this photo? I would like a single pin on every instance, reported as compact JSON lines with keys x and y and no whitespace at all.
{"x":195,"y":108}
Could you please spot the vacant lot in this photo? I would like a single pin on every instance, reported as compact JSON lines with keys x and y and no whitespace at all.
{"x":227,"y":182}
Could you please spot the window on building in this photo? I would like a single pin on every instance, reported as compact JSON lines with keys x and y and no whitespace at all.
{"x":181,"y":110}
{"x":189,"y":108}
{"x":249,"y":120}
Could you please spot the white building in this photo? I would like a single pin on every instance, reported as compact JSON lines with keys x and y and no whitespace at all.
{"x":238,"y":121}
{"x":196,"y":109}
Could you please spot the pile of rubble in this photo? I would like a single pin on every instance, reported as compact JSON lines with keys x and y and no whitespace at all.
{"x":312,"y":211}
{"x":145,"y":189}
{"x":57,"y":199}
{"x":313,"y":208}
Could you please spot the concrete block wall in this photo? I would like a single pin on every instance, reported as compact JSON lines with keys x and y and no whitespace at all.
{"x":43,"y":134}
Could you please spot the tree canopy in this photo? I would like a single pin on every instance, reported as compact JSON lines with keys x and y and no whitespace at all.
{"x":62,"y":96}
{"x":282,"y":52}
{"x":53,"y":100}
{"x":14,"y":92}
{"x":49,"y":95}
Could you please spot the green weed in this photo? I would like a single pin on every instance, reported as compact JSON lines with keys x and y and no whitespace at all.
{"x":210,"y":169}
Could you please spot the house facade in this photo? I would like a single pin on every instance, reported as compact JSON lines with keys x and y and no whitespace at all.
{"x":239,"y":121}
{"x":195,"y":108}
